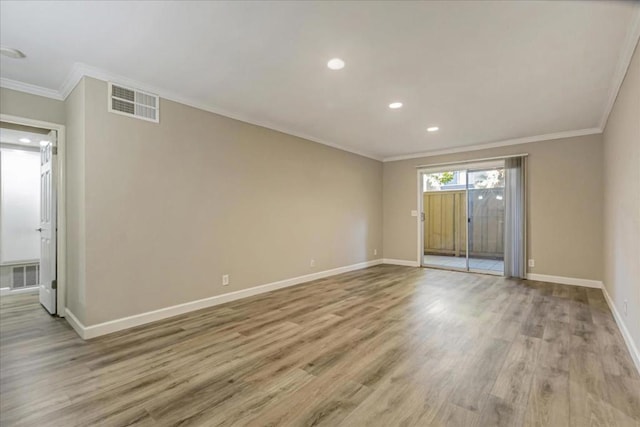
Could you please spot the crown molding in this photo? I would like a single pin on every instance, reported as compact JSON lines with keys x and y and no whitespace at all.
{"x":31,"y":89}
{"x":624,"y":61}
{"x":503,"y":143}
{"x":71,"y":81}
{"x":79,"y":70}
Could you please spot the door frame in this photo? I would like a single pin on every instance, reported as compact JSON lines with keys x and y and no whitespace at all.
{"x":61,"y":220}
{"x":425,"y":169}
{"x":476,"y":270}
{"x":419,"y":220}
{"x":422,"y":217}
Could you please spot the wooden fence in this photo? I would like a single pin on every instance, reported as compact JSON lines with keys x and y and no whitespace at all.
{"x":445,"y":226}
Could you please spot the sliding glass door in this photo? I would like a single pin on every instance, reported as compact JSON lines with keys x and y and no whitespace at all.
{"x":445,"y":219}
{"x":485,"y":208}
{"x":463,"y":211}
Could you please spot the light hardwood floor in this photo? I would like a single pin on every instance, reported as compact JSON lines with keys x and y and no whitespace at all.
{"x":383,"y":346}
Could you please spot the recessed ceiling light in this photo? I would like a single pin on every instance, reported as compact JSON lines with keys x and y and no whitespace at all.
{"x":11,"y":52}
{"x":433,"y":129}
{"x":24,"y":140}
{"x":335,"y":64}
{"x":43,"y":143}
{"x":395,"y":105}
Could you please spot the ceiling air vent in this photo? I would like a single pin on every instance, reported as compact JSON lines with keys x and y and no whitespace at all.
{"x":134,"y":103}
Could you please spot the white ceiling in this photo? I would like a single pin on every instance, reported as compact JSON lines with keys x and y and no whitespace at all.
{"x":482,"y":71}
{"x":12,"y":136}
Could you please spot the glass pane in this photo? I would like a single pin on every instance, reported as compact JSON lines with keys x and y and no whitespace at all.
{"x":493,"y":178}
{"x":443,"y":181}
{"x":486,"y":224}
{"x":445,"y":224}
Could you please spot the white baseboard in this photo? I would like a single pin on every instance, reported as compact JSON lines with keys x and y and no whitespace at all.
{"x":631,"y":345}
{"x":75,"y":323}
{"x":9,"y":291}
{"x":88,"y":332}
{"x":404,"y":262}
{"x":566,"y":280}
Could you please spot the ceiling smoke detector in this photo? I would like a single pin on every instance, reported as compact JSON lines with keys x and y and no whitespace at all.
{"x":11,"y":52}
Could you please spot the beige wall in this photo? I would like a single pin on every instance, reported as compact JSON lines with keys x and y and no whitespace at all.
{"x":166,"y":209}
{"x":75,"y":193}
{"x":622,"y":200}
{"x":565,"y":204}
{"x":171,"y":207}
{"x":30,"y":106}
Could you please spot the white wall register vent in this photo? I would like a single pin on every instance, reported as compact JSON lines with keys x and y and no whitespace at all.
{"x":134,"y":103}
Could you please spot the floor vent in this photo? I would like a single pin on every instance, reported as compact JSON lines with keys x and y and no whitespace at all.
{"x":134,"y":103}
{"x":23,"y":276}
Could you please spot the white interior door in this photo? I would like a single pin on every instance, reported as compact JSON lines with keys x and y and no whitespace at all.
{"x":47,"y":226}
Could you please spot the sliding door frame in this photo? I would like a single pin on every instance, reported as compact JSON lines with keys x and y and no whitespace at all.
{"x":467,"y":171}
{"x":422,"y":219}
{"x":472,"y":164}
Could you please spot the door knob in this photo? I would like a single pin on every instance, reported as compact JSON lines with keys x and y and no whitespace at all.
{"x":39,"y":229}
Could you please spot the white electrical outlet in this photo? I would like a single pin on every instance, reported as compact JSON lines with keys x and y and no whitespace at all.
{"x":626,"y":311}
{"x":312,"y":263}
{"x":225,"y":279}
{"x":532,"y":263}
{"x":375,"y":252}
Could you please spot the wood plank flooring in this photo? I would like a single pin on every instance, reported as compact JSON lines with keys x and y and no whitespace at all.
{"x":384,"y":346}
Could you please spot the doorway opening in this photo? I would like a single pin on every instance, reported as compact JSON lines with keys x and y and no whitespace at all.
{"x":463,"y":212}
{"x":28,"y":212}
